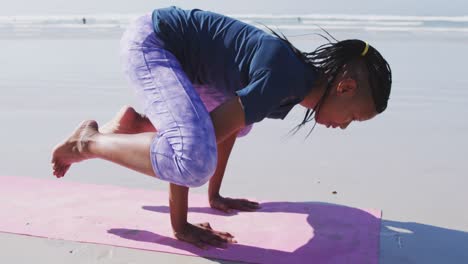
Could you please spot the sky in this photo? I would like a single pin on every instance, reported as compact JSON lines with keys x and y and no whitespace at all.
{"x":379,"y":7}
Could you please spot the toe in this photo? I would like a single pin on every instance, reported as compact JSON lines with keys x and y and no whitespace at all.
{"x":65,"y":169}
{"x":55,"y":167}
{"x":58,"y":171}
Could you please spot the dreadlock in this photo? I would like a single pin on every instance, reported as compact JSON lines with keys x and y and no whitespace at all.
{"x":329,"y":58}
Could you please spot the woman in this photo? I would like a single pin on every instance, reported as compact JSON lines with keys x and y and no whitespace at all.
{"x":204,"y":79}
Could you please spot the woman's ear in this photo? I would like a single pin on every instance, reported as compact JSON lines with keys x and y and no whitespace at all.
{"x":347,"y":86}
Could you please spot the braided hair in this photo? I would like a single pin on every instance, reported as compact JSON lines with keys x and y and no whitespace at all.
{"x":329,"y":59}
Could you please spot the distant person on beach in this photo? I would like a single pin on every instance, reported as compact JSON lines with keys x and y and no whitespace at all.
{"x":84,"y":21}
{"x":203,"y":79}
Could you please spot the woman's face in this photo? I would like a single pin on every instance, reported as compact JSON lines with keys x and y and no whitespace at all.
{"x":349,"y":100}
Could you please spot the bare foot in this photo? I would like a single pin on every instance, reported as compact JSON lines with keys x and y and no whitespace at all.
{"x":126,"y":121}
{"x":73,"y":149}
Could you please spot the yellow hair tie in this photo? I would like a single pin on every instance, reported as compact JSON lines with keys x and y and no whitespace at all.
{"x":364,"y":52}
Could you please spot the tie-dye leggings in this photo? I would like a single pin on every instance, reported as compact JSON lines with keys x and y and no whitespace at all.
{"x":184,"y":150}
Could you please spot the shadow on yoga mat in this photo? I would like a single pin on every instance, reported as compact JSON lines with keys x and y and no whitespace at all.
{"x":338,"y":235}
{"x":280,"y":232}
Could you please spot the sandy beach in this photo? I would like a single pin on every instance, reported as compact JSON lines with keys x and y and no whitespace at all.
{"x":410,"y":161}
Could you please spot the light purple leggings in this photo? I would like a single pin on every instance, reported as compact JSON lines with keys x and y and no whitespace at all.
{"x":184,"y":149}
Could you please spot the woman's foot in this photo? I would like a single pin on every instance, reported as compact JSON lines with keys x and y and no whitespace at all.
{"x":126,"y":121}
{"x":74,"y":149}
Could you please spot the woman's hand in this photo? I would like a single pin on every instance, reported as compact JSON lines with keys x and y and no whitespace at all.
{"x":227,"y":204}
{"x":202,"y":236}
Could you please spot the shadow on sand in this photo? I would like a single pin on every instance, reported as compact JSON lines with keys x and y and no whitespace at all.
{"x":406,"y":242}
{"x":399,"y":242}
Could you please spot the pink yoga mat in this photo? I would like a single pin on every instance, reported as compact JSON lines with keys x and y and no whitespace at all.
{"x":281,"y":232}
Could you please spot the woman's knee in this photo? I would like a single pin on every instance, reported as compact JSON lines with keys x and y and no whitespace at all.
{"x":200,"y":167}
{"x":191,"y":166}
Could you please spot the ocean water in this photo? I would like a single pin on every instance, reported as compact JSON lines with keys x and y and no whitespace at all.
{"x":383,"y":7}
{"x":112,"y":24}
{"x":409,"y":161}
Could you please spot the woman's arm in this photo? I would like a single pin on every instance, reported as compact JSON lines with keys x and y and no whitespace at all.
{"x":228,"y":118}
{"x":217,"y":201}
{"x":225,"y":146}
{"x":224,"y":151}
